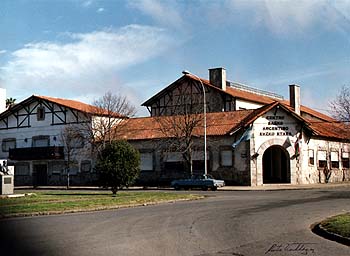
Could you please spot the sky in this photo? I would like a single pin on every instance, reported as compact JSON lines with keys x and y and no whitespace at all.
{"x":80,"y":49}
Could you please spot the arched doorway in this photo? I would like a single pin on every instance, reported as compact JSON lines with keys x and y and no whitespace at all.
{"x":276,"y":165}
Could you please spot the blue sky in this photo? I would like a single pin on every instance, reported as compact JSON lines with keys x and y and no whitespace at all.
{"x":79,"y":49}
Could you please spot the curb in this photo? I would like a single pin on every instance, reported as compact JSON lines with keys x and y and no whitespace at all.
{"x":321,"y":231}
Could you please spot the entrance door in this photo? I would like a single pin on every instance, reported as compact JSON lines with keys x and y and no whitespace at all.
{"x":40,"y":174}
{"x":276,"y":165}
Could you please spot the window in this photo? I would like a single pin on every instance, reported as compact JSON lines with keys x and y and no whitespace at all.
{"x":345,"y":159}
{"x":77,"y":142}
{"x":8,"y":143}
{"x":322,"y":158}
{"x":58,"y":167}
{"x":21,"y":169}
{"x":41,"y":141}
{"x":334,"y":159}
{"x":146,"y":161}
{"x":40,"y":114}
{"x":85,"y":166}
{"x":226,"y":157}
{"x":311,"y":157}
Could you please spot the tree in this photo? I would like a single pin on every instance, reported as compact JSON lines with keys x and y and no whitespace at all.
{"x":110,"y":110}
{"x":184,"y":122}
{"x":340,"y":109}
{"x":118,"y":165}
{"x":10,"y":102}
{"x":340,"y":106}
{"x":72,"y":140}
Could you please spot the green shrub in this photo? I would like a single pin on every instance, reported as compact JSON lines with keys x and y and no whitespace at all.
{"x":118,"y":165}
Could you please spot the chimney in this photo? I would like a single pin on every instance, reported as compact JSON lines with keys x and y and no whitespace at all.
{"x":217,"y":77}
{"x":294,"y":97}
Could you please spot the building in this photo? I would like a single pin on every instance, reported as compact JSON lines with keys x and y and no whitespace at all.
{"x":254,"y":137}
{"x":46,"y":138}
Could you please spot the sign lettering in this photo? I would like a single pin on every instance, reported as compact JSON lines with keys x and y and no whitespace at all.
{"x":275,"y":127}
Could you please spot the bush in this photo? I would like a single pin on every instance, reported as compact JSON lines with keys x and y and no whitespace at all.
{"x":118,"y":165}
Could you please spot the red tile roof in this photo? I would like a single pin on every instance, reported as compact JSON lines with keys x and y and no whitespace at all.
{"x":330,"y":130}
{"x":77,"y":105}
{"x":224,"y":123}
{"x":72,"y":104}
{"x":144,"y":128}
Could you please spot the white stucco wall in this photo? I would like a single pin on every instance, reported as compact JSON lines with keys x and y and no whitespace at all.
{"x":312,"y":173}
{"x":241,"y":104}
{"x":283,"y":130}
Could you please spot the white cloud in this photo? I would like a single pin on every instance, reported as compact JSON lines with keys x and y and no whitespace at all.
{"x":286,"y":18}
{"x":291,"y":17}
{"x":101,"y":9}
{"x":2,"y":51}
{"x":164,"y":12}
{"x":89,"y":64}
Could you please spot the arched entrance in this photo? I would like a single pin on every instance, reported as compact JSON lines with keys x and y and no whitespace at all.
{"x":276,"y":165}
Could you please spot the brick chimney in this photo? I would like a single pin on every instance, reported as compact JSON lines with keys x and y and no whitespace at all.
{"x":294,"y":97}
{"x":217,"y":77}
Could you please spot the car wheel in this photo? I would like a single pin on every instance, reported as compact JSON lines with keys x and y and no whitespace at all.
{"x":177,"y":187}
{"x":205,"y":188}
{"x":214,"y":188}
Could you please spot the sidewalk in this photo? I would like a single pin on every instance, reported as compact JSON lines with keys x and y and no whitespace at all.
{"x":265,"y":187}
{"x":269,"y":187}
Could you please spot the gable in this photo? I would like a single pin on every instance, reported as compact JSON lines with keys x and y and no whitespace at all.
{"x":276,"y":123}
{"x":38,"y":112}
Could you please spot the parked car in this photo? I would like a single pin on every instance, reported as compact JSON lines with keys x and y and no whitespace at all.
{"x":203,"y":182}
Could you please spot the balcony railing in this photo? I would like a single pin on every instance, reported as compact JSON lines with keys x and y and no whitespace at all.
{"x":36,"y":153}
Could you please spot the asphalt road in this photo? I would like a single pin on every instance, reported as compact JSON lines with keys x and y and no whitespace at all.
{"x":245,"y":223}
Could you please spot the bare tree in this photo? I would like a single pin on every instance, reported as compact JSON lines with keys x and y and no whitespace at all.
{"x":72,"y":140}
{"x":183,"y":123}
{"x":340,"y":106}
{"x":340,"y":109}
{"x":109,"y":113}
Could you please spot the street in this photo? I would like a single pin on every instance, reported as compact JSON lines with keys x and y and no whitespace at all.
{"x":225,"y":223}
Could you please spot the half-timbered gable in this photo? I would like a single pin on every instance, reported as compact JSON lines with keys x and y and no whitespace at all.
{"x":38,"y":111}
{"x":221,"y":96}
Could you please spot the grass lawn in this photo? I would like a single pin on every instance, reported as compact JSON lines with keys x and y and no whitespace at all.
{"x":338,"y":224}
{"x":55,"y":202}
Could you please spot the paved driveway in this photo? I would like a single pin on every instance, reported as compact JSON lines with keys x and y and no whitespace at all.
{"x":226,"y":223}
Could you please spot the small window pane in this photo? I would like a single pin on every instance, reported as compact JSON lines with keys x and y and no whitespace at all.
{"x":334,"y":159}
{"x":322,"y":158}
{"x":226,"y":158}
{"x":41,"y":141}
{"x":322,"y":155}
{"x":345,"y":159}
{"x":173,"y":157}
{"x":58,"y":167}
{"x":7,"y":144}
{"x":85,"y":166}
{"x":21,"y":169}
{"x":40,"y":113}
{"x":146,"y":161}
{"x":334,"y":156}
{"x":311,"y":157}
